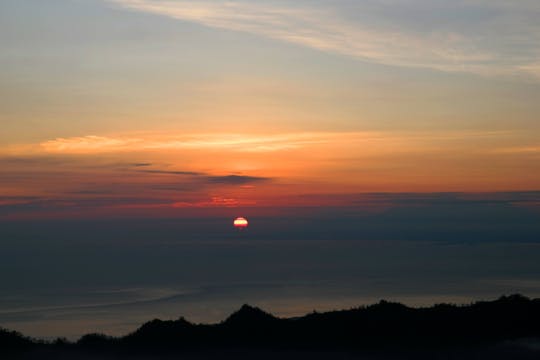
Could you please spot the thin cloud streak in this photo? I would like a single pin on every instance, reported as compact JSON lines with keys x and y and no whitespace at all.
{"x":237,"y":142}
{"x":248,"y":143}
{"x":519,"y":150}
{"x":169,"y":172}
{"x":325,"y":29}
{"x":237,"y":179}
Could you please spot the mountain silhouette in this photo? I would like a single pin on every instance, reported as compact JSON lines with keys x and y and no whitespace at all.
{"x":249,"y":316}
{"x":505,"y":328}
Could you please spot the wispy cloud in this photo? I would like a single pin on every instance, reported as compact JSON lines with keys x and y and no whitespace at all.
{"x":215,"y":201}
{"x":88,"y":144}
{"x":519,"y":150}
{"x":256,"y":143}
{"x":92,"y":144}
{"x":236,"y":179}
{"x":206,"y":179}
{"x":387,"y":32}
{"x":170,"y":172}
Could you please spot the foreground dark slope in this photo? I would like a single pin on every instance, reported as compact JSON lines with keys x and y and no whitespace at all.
{"x":506,"y":328}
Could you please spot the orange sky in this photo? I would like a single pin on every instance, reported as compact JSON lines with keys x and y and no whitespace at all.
{"x":182,"y":104}
{"x":162,"y":173}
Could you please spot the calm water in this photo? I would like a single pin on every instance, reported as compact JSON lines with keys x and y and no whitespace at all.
{"x":67,"y":279}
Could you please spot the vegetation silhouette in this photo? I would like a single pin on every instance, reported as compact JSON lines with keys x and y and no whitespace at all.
{"x":505,"y":328}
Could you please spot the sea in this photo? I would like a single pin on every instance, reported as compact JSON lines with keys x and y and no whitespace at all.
{"x":61,"y":278}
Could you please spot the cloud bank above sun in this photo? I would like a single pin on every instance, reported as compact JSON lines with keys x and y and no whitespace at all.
{"x":259,"y":166}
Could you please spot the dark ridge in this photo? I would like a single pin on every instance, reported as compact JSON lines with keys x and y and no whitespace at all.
{"x":507,"y":328}
{"x":12,"y":341}
{"x":249,"y":316}
{"x":158,"y":332}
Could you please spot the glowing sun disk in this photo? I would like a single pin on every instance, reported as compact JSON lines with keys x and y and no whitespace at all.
{"x":240,"y":222}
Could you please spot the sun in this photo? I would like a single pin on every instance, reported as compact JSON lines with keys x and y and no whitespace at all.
{"x":240,"y":223}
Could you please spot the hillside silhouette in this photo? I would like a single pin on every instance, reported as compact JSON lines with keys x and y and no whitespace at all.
{"x":507,"y":328}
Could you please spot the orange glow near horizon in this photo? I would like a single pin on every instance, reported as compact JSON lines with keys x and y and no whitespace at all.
{"x":162,"y":175}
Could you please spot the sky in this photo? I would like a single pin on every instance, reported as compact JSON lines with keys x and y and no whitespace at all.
{"x":115,"y":105}
{"x":382,"y":144}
